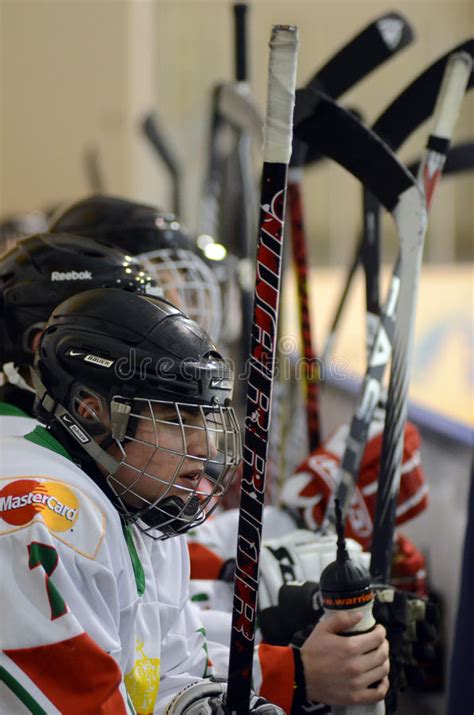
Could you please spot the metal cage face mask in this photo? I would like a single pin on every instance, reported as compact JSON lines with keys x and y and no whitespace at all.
{"x":188,"y":283}
{"x":176,"y":461}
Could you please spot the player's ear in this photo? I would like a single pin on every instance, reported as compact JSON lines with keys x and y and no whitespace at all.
{"x":89,"y":407}
{"x":35,"y":340}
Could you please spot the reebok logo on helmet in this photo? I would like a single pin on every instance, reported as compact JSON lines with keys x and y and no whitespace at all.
{"x":71,"y":276}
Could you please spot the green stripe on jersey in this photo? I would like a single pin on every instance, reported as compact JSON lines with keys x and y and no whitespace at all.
{"x":7,"y":410}
{"x":136,"y":563}
{"x":41,"y":436}
{"x":22,"y":694}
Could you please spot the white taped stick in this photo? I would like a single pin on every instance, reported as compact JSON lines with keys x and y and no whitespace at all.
{"x":451,"y":94}
{"x":281,"y":94}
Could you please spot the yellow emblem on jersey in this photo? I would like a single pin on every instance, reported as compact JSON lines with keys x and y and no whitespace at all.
{"x":143,"y":682}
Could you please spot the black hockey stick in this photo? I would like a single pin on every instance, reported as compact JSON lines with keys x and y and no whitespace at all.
{"x":277,"y":149}
{"x":447,"y":109}
{"x":161,"y":145}
{"x":372,"y":385}
{"x":240,"y":41}
{"x":209,"y":218}
{"x":300,"y":258}
{"x":399,"y":120}
{"x":388,"y":126}
{"x":374,"y":45}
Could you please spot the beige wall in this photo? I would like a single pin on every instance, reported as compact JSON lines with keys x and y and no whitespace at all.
{"x":74,"y":74}
{"x":81,"y":72}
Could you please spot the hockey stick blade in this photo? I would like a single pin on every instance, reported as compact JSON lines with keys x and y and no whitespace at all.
{"x":277,"y":150}
{"x":335,"y":132}
{"x":447,"y":109}
{"x":375,"y":44}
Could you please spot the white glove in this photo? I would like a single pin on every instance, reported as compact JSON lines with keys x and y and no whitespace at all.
{"x":207,"y":698}
{"x":299,"y":556}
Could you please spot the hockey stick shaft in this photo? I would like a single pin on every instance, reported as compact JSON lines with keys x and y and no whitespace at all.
{"x":93,"y":168}
{"x":460,"y":159}
{"x":370,"y":255}
{"x":300,"y":258}
{"x":161,"y":146}
{"x":240,"y":43}
{"x":447,"y":110}
{"x":208,"y":221}
{"x":277,"y":149}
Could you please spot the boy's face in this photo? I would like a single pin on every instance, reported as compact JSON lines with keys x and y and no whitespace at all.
{"x":168,"y":455}
{"x":184,"y":443}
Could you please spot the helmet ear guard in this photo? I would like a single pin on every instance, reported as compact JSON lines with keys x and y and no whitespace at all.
{"x":91,"y":418}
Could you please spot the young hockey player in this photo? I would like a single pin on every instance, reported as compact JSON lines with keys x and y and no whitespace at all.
{"x":141,"y":443}
{"x":35,"y":276}
{"x":160,"y":242}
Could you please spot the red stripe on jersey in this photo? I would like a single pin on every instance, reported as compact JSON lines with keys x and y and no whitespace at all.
{"x":75,"y":675}
{"x":278,"y":674}
{"x":204,"y":562}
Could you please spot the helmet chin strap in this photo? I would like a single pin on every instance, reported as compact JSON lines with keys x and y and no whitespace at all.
{"x":179,"y":516}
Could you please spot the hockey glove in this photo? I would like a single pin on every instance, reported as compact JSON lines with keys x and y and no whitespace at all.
{"x":308,"y":491}
{"x":208,"y":698}
{"x":412,"y":629}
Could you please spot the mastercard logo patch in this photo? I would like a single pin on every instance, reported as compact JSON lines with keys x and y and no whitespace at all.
{"x":23,"y":499}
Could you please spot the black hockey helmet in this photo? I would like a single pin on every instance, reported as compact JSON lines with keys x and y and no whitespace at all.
{"x":45,"y":269}
{"x":143,"y":362}
{"x":160,"y":242}
{"x":131,"y":226}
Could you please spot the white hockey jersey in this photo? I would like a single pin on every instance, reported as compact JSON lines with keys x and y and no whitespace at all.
{"x":14,"y":422}
{"x":94,"y":619}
